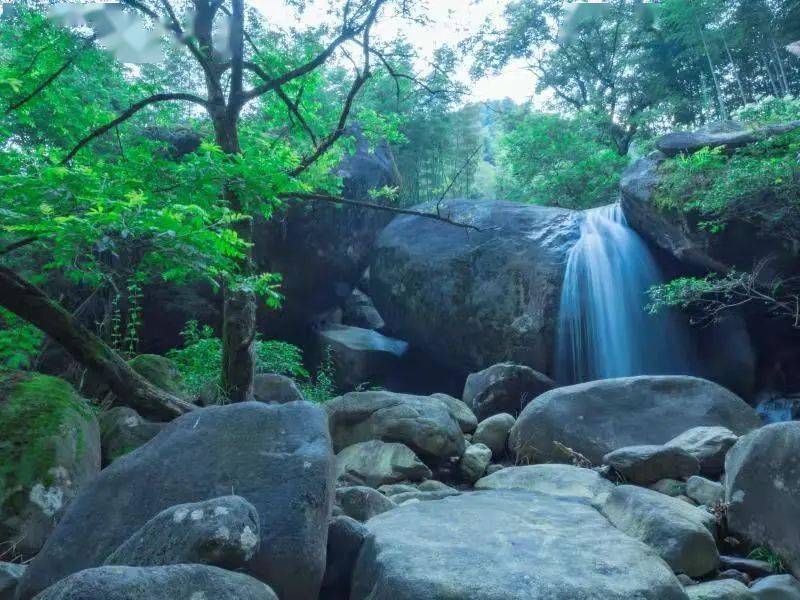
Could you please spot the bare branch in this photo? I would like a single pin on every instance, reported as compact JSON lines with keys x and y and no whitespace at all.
{"x":130,"y":112}
{"x":320,"y":197}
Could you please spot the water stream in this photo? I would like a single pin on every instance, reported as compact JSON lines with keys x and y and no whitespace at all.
{"x":604,"y":330}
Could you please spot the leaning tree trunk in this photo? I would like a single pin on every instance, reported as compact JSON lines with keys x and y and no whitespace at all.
{"x":34,"y":306}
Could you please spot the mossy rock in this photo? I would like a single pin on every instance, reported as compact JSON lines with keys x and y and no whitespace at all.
{"x":49,"y":447}
{"x":160,"y":371}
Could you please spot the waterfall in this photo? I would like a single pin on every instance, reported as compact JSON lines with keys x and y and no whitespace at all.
{"x":604,"y":330}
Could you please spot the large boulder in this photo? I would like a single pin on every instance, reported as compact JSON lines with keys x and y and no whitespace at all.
{"x":49,"y":449}
{"x":554,"y":480}
{"x":472,"y":298}
{"x":192,"y":582}
{"x":122,"y":430}
{"x":322,"y":249}
{"x":762,"y":489}
{"x":505,"y":545}
{"x":680,"y":533}
{"x":709,"y":445}
{"x":422,"y":423}
{"x":645,"y":465}
{"x":276,"y":456}
{"x":359,"y":355}
{"x":376,"y":463}
{"x":598,"y":417}
{"x":223,"y":532}
{"x":504,"y":388}
{"x":679,"y":232}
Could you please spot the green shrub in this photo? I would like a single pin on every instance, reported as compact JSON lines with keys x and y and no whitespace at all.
{"x":759,"y":183}
{"x":19,"y":342}
{"x":200,"y":362}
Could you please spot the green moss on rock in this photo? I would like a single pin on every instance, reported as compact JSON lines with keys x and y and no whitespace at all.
{"x":160,"y":371}
{"x":35,"y":411}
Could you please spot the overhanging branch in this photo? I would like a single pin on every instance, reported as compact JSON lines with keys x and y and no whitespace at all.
{"x":130,"y":112}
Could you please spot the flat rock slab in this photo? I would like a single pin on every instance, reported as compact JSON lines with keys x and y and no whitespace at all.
{"x":506,"y":545}
{"x":554,"y":480}
{"x":278,"y":457}
{"x":190,"y":582}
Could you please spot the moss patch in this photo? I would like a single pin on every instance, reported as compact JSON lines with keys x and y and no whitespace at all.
{"x":35,"y":410}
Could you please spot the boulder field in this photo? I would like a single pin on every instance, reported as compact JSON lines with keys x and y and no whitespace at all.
{"x":380,"y":495}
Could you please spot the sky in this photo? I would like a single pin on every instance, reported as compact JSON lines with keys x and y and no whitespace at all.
{"x":450,"y":22}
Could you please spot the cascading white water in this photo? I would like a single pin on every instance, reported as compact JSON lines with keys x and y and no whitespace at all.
{"x":604,"y":330}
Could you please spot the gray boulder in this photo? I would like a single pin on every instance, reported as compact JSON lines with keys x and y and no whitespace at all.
{"x":376,"y":463}
{"x":681,"y":534}
{"x":777,"y":587}
{"x":599,"y":417}
{"x":475,"y":298}
{"x":276,"y":456}
{"x":704,"y":491}
{"x":474,"y":462}
{"x":730,"y":138}
{"x":192,"y":582}
{"x":345,"y":538}
{"x":749,"y":566}
{"x":360,"y":311}
{"x":460,"y":411}
{"x":362,"y":503}
{"x":122,"y":430}
{"x":505,"y":545}
{"x":709,"y":445}
{"x":553,"y":480}
{"x":222,"y":532}
{"x":724,"y":589}
{"x":270,"y":387}
{"x":645,"y":465}
{"x":10,"y":574}
{"x":361,"y":355}
{"x":494,"y":433}
{"x":49,"y":450}
{"x":762,"y":489}
{"x":504,"y":388}
{"x":421,"y":423}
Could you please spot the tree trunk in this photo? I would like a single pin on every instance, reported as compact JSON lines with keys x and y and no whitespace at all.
{"x":735,"y":72}
{"x":239,"y":308}
{"x":34,"y":306}
{"x":722,"y":108}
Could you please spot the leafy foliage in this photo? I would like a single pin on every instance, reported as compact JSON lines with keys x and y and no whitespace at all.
{"x":200,"y":359}
{"x":19,"y":342}
{"x":759,"y":183}
{"x":558,"y":161}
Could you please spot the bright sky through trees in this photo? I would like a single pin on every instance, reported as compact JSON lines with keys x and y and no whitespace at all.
{"x":451,"y":21}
